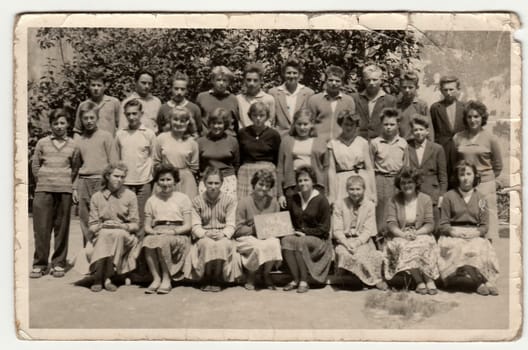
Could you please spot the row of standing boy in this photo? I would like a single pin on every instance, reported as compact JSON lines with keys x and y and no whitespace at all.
{"x":297,"y":115}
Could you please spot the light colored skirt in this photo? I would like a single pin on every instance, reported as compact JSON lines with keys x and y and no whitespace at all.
{"x":229,"y":186}
{"x":477,"y":252}
{"x":317,"y":254}
{"x":119,"y":245}
{"x":367,"y":176}
{"x":254,"y":252}
{"x":173,"y":250}
{"x":489,"y":190}
{"x":365,"y":263}
{"x":245,"y":174}
{"x":206,"y":250}
{"x":401,"y":254}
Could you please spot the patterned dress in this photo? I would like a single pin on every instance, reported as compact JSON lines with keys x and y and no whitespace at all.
{"x":255,"y":252}
{"x":352,"y":224}
{"x":166,"y":214}
{"x":456,"y":216}
{"x":401,"y":254}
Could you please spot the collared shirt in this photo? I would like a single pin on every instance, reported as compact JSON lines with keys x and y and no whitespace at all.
{"x":135,"y":149}
{"x":451,"y":114}
{"x":420,"y":148}
{"x":108,"y":110}
{"x":291,"y":98}
{"x":120,"y":206}
{"x":389,"y":156}
{"x":208,"y":215}
{"x":372,"y":102}
{"x":245,"y":101}
{"x":151,"y":106}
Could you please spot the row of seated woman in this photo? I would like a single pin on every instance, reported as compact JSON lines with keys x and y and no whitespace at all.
{"x":212,"y":239}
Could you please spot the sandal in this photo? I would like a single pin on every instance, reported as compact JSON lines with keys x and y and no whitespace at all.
{"x":493,"y":290}
{"x":151,"y":290}
{"x":431,"y":288}
{"x":303,"y":288}
{"x":163,"y":290}
{"x":215,"y":288}
{"x":96,"y":288}
{"x":36,"y":273}
{"x":249,"y":286}
{"x":57,"y":272}
{"x":421,"y":289}
{"x":382,"y":285}
{"x":483,"y":290}
{"x":290,"y":286}
{"x":109,"y":286}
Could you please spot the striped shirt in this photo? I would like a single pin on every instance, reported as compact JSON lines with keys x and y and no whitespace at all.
{"x":210,"y":215}
{"x":54,"y":166}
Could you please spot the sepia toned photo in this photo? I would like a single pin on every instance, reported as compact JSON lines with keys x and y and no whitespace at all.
{"x":341,"y":177}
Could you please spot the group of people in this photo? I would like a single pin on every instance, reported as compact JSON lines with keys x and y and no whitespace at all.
{"x":376,"y":185}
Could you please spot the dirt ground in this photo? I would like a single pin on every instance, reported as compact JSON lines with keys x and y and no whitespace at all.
{"x":57,"y":303}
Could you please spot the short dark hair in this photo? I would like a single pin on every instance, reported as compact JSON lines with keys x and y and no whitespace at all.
{"x":465,"y":164}
{"x":211,"y":171}
{"x":419,"y":120}
{"x":219,"y":114}
{"x":347,"y":114}
{"x":335,"y":70}
{"x":254,"y":68}
{"x":306,"y":169}
{"x":408,"y":173}
{"x":257,"y":107}
{"x":477,"y":106}
{"x":142,"y":71}
{"x":389,"y":112}
{"x":305,"y":112}
{"x":180,"y":76}
{"x":86,"y":107}
{"x":263,"y":175}
{"x":57,"y":113}
{"x":411,"y":76}
{"x":294,"y":63}
{"x":96,"y":74}
{"x":167,"y":169}
{"x":133,"y":103}
{"x":446,"y":79}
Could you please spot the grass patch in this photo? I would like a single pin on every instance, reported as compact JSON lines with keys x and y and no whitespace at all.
{"x":404,"y":306}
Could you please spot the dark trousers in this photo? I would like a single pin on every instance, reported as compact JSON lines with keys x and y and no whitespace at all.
{"x":143,"y":193}
{"x":86,"y":187}
{"x":51,"y":212}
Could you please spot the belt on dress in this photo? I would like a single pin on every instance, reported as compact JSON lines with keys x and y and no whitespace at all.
{"x":385,"y":174}
{"x":168,"y":222}
{"x":356,"y":168}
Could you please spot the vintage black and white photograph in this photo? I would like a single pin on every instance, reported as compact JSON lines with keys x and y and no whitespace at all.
{"x":268,"y":176}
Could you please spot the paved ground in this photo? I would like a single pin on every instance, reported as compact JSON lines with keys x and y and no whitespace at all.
{"x":57,"y":303}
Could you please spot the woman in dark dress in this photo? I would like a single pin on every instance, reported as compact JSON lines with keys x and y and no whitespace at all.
{"x":309,"y":250}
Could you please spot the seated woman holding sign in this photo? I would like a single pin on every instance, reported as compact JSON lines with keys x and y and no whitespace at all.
{"x":354,"y":225}
{"x":168,"y":231}
{"x":257,"y":252}
{"x":464,"y":224}
{"x":310,"y":249}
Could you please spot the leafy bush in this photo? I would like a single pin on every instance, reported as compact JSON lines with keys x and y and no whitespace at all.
{"x":122,"y":51}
